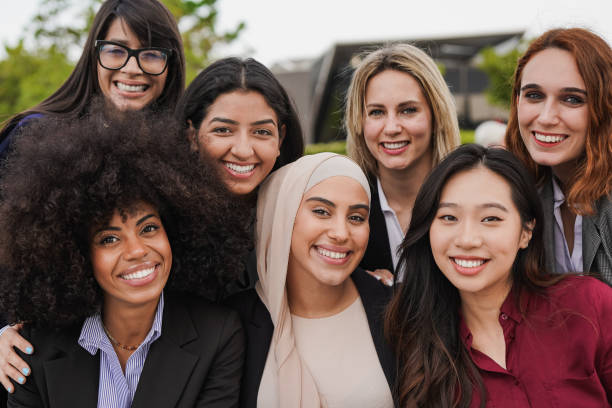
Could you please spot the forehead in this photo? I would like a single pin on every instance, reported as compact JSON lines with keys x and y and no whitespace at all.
{"x":119,"y":30}
{"x":552,"y":68}
{"x":132,"y":211}
{"x":393,"y":85}
{"x":340,"y":190}
{"x":239,"y":103}
{"x":475,"y":187}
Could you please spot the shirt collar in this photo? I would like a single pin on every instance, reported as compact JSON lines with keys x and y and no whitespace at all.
{"x":558,"y":196}
{"x":384,"y":205}
{"x":93,"y":337}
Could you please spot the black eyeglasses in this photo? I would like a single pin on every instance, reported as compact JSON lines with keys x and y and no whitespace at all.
{"x":114,"y":56}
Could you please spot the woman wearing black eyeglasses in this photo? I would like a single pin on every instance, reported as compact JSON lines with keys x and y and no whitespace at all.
{"x":153,"y":78}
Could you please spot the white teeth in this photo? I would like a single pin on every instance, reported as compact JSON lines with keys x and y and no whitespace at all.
{"x":468,"y":263}
{"x":240,"y":169}
{"x":548,"y":138}
{"x":130,"y":88}
{"x":139,"y":274}
{"x":395,"y":145}
{"x":332,"y":254}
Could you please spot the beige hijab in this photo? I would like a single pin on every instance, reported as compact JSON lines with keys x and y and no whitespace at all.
{"x":277,"y":205}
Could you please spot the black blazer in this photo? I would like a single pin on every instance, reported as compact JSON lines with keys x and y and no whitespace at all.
{"x":378,"y":252}
{"x":196,"y":362}
{"x":259,"y":329}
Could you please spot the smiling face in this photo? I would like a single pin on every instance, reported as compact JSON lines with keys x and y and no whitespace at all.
{"x":553,"y":111}
{"x":131,"y":257}
{"x":397,"y":127}
{"x":241,"y":133}
{"x":477,"y":232}
{"x":129,"y":88}
{"x":330,"y":233}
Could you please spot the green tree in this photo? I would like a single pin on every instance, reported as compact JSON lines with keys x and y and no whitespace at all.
{"x":30,"y":74}
{"x":500,"y":70}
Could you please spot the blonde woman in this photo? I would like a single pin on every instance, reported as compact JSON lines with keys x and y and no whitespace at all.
{"x":401,"y":121}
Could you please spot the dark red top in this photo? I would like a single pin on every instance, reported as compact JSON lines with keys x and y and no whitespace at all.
{"x":558,"y":354}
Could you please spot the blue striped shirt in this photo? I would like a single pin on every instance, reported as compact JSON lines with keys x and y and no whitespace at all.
{"x":117,"y":390}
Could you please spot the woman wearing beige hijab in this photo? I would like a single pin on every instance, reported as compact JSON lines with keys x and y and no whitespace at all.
{"x":314,"y":321}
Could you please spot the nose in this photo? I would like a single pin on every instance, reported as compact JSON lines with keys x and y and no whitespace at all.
{"x":549,"y":115}
{"x":468,"y":236}
{"x":392,"y":125}
{"x":338,"y":230}
{"x":131,"y":66}
{"x":135,"y":248}
{"x":242,"y":148}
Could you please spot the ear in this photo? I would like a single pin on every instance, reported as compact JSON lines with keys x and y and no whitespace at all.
{"x":281,"y":137}
{"x":526,"y":234}
{"x":192,"y":136}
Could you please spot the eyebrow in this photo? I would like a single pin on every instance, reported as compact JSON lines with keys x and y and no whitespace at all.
{"x":485,"y":205}
{"x":111,"y":228}
{"x":567,"y":89}
{"x":380,"y":105}
{"x":331,"y":204}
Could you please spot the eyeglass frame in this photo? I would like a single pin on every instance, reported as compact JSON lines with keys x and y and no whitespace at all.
{"x":132,"y":53}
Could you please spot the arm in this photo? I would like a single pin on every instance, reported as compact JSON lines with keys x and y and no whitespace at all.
{"x":11,"y":365}
{"x":222,"y":386}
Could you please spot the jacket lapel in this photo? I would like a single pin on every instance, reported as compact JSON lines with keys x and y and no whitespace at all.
{"x":548,"y":204}
{"x":72,"y":381}
{"x":168,"y":366}
{"x":590,"y":242}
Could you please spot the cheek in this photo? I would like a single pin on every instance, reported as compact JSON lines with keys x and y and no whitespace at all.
{"x":267,"y":151}
{"x":437,"y":241}
{"x":371,"y":129}
{"x":103,"y":80}
{"x":216,"y":147}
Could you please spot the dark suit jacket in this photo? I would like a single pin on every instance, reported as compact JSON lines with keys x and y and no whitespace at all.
{"x":378,"y":252}
{"x":196,"y":362}
{"x":259,"y":330}
{"x":596,"y":236}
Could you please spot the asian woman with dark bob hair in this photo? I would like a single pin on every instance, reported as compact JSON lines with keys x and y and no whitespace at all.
{"x":154,"y":77}
{"x":120,"y":240}
{"x":560,"y":128}
{"x":479,"y":321}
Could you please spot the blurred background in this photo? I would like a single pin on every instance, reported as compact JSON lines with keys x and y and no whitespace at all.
{"x":309,"y":46}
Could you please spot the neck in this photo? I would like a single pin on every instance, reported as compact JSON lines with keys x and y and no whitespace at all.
{"x":312,"y":299}
{"x":564,"y":173}
{"x":129,"y":325}
{"x":481,"y":310}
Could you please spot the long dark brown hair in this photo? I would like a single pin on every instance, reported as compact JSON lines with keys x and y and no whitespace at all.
{"x":152,"y":23}
{"x":422,"y":320}
{"x":593,"y":176}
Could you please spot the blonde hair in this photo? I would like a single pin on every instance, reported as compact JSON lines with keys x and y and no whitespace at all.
{"x":411,"y":60}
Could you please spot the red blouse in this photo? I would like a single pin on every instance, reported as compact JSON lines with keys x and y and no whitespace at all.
{"x":558,"y":354}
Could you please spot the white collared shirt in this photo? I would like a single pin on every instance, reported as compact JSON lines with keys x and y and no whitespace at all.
{"x":564,"y":262}
{"x":394,"y":230}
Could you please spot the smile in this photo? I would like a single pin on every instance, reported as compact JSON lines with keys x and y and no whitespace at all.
{"x":468,"y":263}
{"x":240,"y":169}
{"x":332,"y":254}
{"x":130,"y":88}
{"x":548,"y":139}
{"x":143,"y":273}
{"x":394,"y":145}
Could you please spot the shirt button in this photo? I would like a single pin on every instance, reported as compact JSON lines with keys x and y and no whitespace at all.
{"x":504,"y":316}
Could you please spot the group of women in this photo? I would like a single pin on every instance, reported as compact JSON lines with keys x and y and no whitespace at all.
{"x":421,"y":274}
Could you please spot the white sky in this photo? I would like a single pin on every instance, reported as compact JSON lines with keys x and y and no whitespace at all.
{"x":281,"y":29}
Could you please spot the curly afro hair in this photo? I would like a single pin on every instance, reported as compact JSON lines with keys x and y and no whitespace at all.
{"x":64,"y":177}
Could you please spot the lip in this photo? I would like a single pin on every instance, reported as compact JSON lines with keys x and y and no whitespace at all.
{"x":547,"y":144}
{"x":332,"y":248}
{"x":467,"y":271}
{"x":236,"y":174}
{"x":140,"y":281}
{"x":395,"y":152}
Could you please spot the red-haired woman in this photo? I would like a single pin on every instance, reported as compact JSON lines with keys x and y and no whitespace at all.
{"x":561,"y":128}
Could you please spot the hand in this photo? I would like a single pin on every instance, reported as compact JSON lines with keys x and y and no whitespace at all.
{"x":383,"y":275}
{"x":11,"y":365}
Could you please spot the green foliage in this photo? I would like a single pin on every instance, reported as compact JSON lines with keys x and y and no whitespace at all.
{"x":500,"y":70}
{"x":467,"y":136}
{"x":30,"y":75}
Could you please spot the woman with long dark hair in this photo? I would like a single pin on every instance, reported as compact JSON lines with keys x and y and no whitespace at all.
{"x":478,"y":320}
{"x":120,"y":239}
{"x":560,"y":128}
{"x":133,"y":56}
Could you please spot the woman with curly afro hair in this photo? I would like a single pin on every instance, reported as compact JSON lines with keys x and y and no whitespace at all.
{"x":94,"y":226}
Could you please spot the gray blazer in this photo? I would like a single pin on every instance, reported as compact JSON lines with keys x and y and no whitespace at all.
{"x":596,"y":236}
